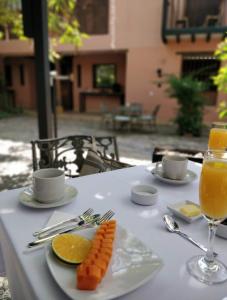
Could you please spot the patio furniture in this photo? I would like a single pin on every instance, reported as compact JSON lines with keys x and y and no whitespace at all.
{"x":193,"y":155}
{"x":122,"y":122}
{"x":69,"y":153}
{"x":148,"y":121}
{"x":122,"y":118}
{"x":28,"y":274}
{"x":107,"y":116}
{"x":126,"y":116}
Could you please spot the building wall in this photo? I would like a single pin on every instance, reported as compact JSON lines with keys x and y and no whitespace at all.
{"x":24,"y":94}
{"x":134,"y":28}
{"x":86,"y":62}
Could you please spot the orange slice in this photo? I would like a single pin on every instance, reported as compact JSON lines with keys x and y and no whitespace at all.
{"x":71,"y":248}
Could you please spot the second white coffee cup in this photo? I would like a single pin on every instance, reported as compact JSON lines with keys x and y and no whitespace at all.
{"x":48,"y":185}
{"x":174,"y":166}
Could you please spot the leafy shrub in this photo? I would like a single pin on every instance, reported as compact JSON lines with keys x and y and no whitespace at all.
{"x":188,"y":92}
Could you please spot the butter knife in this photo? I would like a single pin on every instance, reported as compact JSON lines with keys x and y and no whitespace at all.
{"x":88,"y":220}
{"x":50,"y":237}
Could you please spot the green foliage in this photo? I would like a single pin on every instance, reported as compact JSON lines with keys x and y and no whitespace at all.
{"x":188,"y":92}
{"x":10,"y":18}
{"x":220,"y":80}
{"x":62,"y":23}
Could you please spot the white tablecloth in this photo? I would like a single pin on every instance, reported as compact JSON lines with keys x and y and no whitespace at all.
{"x":29,"y":276}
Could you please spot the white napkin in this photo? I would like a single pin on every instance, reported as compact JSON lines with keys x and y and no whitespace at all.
{"x":57,"y":216}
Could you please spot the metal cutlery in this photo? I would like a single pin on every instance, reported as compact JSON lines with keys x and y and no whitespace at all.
{"x":87,"y":220}
{"x":172,"y":226}
{"x":77,"y":219}
{"x":107,"y":216}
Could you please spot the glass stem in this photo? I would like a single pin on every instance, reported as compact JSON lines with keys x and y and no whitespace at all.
{"x":210,"y":252}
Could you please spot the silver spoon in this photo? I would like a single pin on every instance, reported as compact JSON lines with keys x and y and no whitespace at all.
{"x":172,"y":226}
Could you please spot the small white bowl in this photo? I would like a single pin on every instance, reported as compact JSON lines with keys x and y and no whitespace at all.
{"x":222,"y":231}
{"x":144,"y":194}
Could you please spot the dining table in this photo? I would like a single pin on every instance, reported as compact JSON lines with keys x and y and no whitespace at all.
{"x":28,"y":273}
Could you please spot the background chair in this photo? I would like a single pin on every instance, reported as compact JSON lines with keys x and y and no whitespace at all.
{"x":194,"y":155}
{"x":149,"y":120}
{"x":68,"y":153}
{"x":107,"y":116}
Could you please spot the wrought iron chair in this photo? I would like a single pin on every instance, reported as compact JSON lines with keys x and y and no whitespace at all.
{"x":68,"y":153}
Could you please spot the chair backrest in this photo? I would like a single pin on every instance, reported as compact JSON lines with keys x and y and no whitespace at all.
{"x":135,"y":109}
{"x":68,"y":153}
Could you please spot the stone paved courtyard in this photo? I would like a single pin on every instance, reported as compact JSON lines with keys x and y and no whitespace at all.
{"x":134,"y":147}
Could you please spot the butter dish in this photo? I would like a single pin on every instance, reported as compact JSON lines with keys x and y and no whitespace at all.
{"x":176,"y":210}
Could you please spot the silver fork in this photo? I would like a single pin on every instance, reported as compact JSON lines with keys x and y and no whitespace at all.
{"x":82,"y":217}
{"x":88,"y":220}
{"x":107,"y":216}
{"x":91,"y":220}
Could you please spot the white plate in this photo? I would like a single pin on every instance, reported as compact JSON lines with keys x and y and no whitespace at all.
{"x":157,"y":173}
{"x":132,"y":265}
{"x":175,"y":209}
{"x":26,"y":198}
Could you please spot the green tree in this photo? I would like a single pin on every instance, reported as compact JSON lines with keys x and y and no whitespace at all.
{"x":220,"y":80}
{"x":62,"y":23}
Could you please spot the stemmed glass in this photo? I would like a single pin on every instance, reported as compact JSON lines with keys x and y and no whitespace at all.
{"x":218,"y":136}
{"x":213,"y":201}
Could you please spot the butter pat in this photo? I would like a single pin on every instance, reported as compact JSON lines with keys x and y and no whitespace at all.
{"x":190,"y":210}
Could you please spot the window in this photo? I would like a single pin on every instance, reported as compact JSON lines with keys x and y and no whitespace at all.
{"x":8,"y":75}
{"x":104,"y":76}
{"x":202,"y":67}
{"x":93,"y":16}
{"x":21,"y":71}
{"x":198,"y":12}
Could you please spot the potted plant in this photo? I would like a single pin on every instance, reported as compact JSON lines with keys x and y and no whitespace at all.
{"x":188,"y":92}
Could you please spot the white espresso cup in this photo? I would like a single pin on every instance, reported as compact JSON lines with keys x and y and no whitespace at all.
{"x":174,"y":166}
{"x":48,"y":185}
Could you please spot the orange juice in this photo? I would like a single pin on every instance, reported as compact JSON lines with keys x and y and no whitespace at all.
{"x":213,"y":189}
{"x":218,"y":139}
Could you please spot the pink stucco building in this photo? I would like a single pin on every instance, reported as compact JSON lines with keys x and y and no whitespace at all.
{"x":133,"y":45}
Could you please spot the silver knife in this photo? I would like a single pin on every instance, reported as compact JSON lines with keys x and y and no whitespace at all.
{"x":46,"y":239}
{"x":88,"y":220}
{"x":74,"y":219}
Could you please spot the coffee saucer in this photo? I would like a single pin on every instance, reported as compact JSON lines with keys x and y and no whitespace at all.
{"x":158,"y":173}
{"x":26,"y":198}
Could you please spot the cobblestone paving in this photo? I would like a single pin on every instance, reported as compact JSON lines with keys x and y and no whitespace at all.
{"x":134,"y":147}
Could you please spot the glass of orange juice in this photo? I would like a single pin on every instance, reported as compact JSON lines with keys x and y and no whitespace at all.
{"x":213,"y":202}
{"x":218,"y":136}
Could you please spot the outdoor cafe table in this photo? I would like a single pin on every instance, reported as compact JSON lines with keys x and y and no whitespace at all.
{"x":28,"y":274}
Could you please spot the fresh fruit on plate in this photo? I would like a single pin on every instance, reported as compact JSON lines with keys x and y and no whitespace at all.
{"x":93,"y":268}
{"x":71,"y":248}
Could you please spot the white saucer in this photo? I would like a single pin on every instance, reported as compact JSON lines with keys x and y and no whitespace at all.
{"x":190,"y":176}
{"x":26,"y":198}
